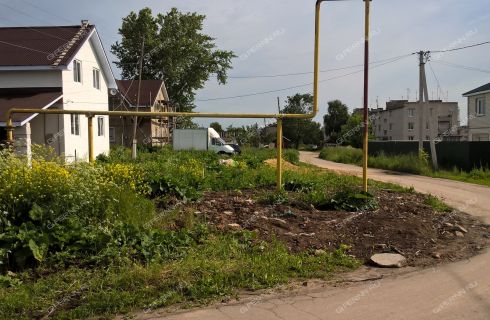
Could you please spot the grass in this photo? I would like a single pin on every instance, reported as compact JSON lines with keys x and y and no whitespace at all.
{"x":96,"y":240}
{"x":221,"y":265}
{"x":437,"y":204}
{"x":405,"y":163}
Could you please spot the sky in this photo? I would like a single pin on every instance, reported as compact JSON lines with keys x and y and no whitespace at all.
{"x":276,"y":37}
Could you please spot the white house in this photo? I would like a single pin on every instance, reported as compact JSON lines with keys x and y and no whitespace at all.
{"x":478,"y":117}
{"x":63,"y":67}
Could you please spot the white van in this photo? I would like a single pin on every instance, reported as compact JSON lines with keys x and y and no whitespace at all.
{"x":200,"y":139}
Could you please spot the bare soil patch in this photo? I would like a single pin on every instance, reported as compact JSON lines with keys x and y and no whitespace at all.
{"x":403,"y":223}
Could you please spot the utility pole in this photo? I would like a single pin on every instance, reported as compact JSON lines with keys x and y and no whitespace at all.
{"x":421,"y":100}
{"x":423,"y":104}
{"x":278,"y":105}
{"x":135,"y":123}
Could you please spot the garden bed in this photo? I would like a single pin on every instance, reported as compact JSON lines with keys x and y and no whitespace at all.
{"x":404,"y":223}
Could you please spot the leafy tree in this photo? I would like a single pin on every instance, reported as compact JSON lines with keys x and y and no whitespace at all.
{"x":301,"y":131}
{"x":216,"y":126}
{"x":336,"y":117}
{"x":352,"y":132}
{"x":245,"y":135}
{"x":176,"y":51}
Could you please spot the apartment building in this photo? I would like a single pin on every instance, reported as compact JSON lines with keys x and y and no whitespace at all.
{"x":401,"y":120}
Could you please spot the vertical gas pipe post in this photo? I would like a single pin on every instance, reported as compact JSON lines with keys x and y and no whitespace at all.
{"x":366,"y":97}
{"x":90,"y":138}
{"x":279,"y":154}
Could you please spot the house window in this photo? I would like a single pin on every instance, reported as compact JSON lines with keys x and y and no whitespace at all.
{"x":385,"y":132}
{"x":427,"y":125}
{"x":411,"y":113}
{"x":100,"y":126}
{"x":112,"y":134}
{"x":379,"y":127}
{"x":411,"y":138}
{"x":385,"y":120}
{"x":480,"y":106}
{"x":427,"y":138}
{"x":410,"y":126}
{"x":391,"y":126}
{"x":77,"y":71}
{"x":96,"y":78}
{"x":75,"y":124}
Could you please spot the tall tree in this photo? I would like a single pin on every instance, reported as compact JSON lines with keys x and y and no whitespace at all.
{"x":300,"y":131}
{"x":178,"y":52}
{"x":335,"y":118}
{"x":216,"y":126}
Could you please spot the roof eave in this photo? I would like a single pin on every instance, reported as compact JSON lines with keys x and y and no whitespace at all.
{"x":22,"y":123}
{"x":32,"y":68}
{"x":470,"y":94}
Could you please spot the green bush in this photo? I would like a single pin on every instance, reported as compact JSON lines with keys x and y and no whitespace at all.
{"x":410,"y":163}
{"x":342,"y":155}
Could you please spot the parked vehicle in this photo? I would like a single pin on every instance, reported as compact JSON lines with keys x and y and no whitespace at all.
{"x":236,"y":147}
{"x":200,"y":139}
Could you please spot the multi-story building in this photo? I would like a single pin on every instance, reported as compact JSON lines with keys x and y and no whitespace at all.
{"x":401,"y":120}
{"x":478,"y":118}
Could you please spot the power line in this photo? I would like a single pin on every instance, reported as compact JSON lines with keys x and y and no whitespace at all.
{"x":310,"y":72}
{"x":298,"y":86}
{"x":23,"y":47}
{"x":31,"y":16}
{"x":437,"y":81}
{"x":461,"y":48}
{"x":460,"y":66}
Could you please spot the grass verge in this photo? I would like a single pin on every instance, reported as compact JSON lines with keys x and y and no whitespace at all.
{"x":215,"y":269}
{"x":405,"y":163}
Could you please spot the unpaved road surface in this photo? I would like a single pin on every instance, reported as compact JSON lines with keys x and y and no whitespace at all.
{"x":459,"y":290}
{"x":470,"y":198}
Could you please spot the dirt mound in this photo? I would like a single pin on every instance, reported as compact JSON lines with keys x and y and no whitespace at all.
{"x":402,"y":224}
{"x":285,"y":165}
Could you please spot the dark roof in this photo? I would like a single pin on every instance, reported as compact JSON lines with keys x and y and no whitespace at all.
{"x":485,"y":87}
{"x":31,"y":98}
{"x":148,"y":94}
{"x":41,"y":46}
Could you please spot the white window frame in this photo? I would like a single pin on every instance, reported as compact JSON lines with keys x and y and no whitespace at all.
{"x":411,"y":112}
{"x":77,"y":71}
{"x":412,"y":125}
{"x":411,"y":138}
{"x":480,"y":106}
{"x":75,"y":124}
{"x":96,"y":78}
{"x":100,"y":126}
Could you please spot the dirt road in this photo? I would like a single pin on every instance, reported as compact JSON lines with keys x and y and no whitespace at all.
{"x":466,"y":197}
{"x":455,"y":291}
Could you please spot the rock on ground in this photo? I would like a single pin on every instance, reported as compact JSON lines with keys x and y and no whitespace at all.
{"x":389,"y":260}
